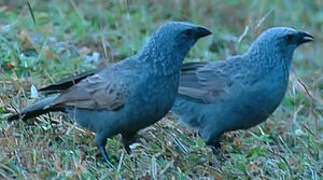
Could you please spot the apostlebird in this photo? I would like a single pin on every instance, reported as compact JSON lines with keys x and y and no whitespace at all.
{"x":129,"y":95}
{"x":241,"y":91}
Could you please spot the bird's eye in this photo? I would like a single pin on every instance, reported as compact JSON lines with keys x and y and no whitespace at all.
{"x":188,"y":32}
{"x":289,"y":38}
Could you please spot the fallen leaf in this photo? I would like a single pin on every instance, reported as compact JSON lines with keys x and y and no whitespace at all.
{"x":25,"y":39}
{"x":48,"y":53}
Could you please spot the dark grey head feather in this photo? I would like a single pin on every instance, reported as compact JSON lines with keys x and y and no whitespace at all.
{"x":169,"y":44}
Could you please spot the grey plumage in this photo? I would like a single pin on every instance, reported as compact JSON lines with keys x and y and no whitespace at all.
{"x":240,"y":92}
{"x":129,"y":95}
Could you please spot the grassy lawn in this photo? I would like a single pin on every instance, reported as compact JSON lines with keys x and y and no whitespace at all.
{"x":72,"y":36}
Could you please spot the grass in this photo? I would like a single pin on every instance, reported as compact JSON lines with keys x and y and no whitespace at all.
{"x":68,"y":36}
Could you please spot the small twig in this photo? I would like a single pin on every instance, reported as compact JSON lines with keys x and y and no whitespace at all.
{"x":303,"y":86}
{"x":31,"y":11}
{"x":263,"y":133}
{"x":308,"y":130}
{"x":77,"y":10}
{"x":154,"y":169}
{"x":263,"y":18}
{"x":179,"y":143}
{"x":14,"y":108}
{"x":120,"y":162}
{"x":3,"y":174}
{"x":301,"y":83}
{"x":19,"y":162}
{"x":167,"y":166}
{"x":245,"y":32}
{"x":73,"y":126}
{"x":8,"y":169}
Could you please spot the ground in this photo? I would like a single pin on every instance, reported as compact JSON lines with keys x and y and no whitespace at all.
{"x":72,"y":36}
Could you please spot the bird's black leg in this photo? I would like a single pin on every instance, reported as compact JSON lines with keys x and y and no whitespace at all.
{"x":217,"y":158}
{"x":127,"y":148}
{"x":215,"y":146}
{"x":105,"y":156}
{"x":127,"y":140}
{"x":100,"y":143}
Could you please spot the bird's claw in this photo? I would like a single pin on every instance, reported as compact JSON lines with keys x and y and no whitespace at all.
{"x":105,"y":157}
{"x":128,"y":149}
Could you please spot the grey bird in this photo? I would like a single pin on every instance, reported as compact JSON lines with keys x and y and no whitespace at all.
{"x":241,"y":91}
{"x":129,"y":95}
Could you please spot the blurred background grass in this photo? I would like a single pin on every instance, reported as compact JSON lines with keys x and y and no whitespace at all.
{"x":73,"y":36}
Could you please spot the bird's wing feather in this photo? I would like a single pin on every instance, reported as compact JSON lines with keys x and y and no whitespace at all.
{"x":208,"y":82}
{"x":67,"y":82}
{"x":104,"y":90}
{"x":192,"y":66}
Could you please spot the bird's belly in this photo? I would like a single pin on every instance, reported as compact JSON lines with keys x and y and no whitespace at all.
{"x":96,"y":120}
{"x":149,"y":112}
{"x":254,"y":108}
{"x":152,"y":104}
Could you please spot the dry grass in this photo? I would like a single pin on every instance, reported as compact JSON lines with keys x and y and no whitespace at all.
{"x":68,"y":34}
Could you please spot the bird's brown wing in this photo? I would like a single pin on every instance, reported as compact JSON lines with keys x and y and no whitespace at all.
{"x":205,"y":83}
{"x":67,"y":82}
{"x":104,"y":90}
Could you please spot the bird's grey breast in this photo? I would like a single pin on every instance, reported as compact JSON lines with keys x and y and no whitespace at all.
{"x":260,"y":93}
{"x":152,"y":100}
{"x":162,"y":92}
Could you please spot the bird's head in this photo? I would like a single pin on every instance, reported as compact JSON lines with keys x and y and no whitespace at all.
{"x":179,"y":35}
{"x":168,"y":46}
{"x":182,"y":33}
{"x":280,"y":41}
{"x":175,"y":38}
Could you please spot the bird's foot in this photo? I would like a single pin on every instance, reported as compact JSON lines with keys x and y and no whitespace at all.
{"x":216,"y":147}
{"x":218,"y":158}
{"x":105,"y":157}
{"x":216,"y":150}
{"x":129,"y":140}
{"x":128,"y":149}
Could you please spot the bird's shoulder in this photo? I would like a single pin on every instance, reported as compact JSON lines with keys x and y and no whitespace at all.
{"x":210,"y":81}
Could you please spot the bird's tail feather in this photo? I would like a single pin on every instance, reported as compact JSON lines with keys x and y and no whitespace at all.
{"x":38,"y":108}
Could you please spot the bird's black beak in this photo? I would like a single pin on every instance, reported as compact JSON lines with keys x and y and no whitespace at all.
{"x":202,"y":32}
{"x":305,"y":37}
